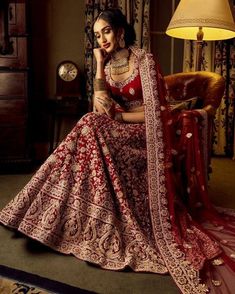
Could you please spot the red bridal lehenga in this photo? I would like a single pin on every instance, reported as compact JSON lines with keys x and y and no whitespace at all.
{"x":110,"y":195}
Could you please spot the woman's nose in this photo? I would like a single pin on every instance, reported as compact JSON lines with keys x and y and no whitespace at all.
{"x":103,"y":39}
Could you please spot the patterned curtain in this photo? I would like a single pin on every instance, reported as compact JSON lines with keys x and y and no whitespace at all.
{"x":137,"y":12}
{"x":224,"y":123}
{"x":218,"y":57}
{"x":190,"y":56}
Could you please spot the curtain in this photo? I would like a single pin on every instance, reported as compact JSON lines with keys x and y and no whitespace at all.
{"x":224,"y":123}
{"x":218,"y":57}
{"x":137,"y":13}
{"x":190,"y":56}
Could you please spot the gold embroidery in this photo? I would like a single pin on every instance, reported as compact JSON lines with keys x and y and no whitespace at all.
{"x":174,"y":152}
{"x":219,"y":228}
{"x":187,"y":246}
{"x":216,"y":283}
{"x":178,"y":132}
{"x":132,"y":91}
{"x":224,"y":241}
{"x":217,"y":261}
{"x":198,"y":204}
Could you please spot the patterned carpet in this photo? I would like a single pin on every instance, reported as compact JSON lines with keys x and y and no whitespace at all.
{"x":12,"y":286}
{"x":16,"y":281}
{"x":30,"y":257}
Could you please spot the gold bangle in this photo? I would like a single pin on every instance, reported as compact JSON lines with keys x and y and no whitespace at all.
{"x":99,"y":85}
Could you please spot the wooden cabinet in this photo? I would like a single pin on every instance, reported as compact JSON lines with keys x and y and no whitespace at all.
{"x":14,"y":85}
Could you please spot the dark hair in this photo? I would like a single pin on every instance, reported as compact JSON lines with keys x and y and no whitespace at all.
{"x":117,"y":20}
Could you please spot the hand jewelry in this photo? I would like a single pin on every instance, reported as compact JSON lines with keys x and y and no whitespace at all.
{"x":99,"y":85}
{"x":118,"y":116}
{"x":106,"y":104}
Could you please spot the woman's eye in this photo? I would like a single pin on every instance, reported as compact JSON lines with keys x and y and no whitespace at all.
{"x":107,"y":31}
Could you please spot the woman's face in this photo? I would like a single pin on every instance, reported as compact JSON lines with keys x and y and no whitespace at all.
{"x":105,"y":36}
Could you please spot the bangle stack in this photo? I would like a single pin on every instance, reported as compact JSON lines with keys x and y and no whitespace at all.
{"x":99,"y":85}
{"x":118,"y":116}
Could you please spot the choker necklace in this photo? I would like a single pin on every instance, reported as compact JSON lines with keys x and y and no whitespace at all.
{"x":120,"y":62}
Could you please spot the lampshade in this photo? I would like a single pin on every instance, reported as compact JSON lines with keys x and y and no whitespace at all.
{"x":213,"y":16}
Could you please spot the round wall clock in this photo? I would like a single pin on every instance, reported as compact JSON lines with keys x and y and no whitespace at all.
{"x":67,"y":79}
{"x":67,"y":71}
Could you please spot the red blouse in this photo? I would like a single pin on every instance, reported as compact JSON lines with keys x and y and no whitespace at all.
{"x":127,"y":93}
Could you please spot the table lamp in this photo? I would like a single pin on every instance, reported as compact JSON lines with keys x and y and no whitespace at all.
{"x":202,"y":20}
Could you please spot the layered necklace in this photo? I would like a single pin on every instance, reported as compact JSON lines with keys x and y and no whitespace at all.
{"x":120,"y":62}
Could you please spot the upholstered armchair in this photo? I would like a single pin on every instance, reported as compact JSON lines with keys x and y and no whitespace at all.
{"x":208,"y":87}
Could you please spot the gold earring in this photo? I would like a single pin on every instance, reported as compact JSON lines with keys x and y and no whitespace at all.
{"x":122,"y":43}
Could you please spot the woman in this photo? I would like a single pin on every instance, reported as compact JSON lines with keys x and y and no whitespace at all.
{"x":107,"y":194}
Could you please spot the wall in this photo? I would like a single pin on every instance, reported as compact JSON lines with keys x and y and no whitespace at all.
{"x":57,"y":33}
{"x":57,"y":30}
{"x":168,"y":51}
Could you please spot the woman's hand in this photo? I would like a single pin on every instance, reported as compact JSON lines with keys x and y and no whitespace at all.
{"x":103,"y":103}
{"x":100,"y":55}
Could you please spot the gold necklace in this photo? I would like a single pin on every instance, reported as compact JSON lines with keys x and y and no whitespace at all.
{"x":120,"y":62}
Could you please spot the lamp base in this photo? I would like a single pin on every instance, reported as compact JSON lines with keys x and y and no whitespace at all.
{"x":199,"y":46}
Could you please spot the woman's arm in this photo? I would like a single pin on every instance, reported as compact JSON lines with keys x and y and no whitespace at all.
{"x":135,"y":115}
{"x":101,"y":100}
{"x":132,"y":117}
{"x":100,"y":57}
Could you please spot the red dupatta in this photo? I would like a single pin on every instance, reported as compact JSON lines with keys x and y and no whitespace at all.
{"x":169,"y":237}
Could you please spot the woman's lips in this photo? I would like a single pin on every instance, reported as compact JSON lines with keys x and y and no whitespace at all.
{"x":106,"y":45}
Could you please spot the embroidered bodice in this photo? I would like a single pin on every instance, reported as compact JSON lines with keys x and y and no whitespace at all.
{"x":127,"y":93}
